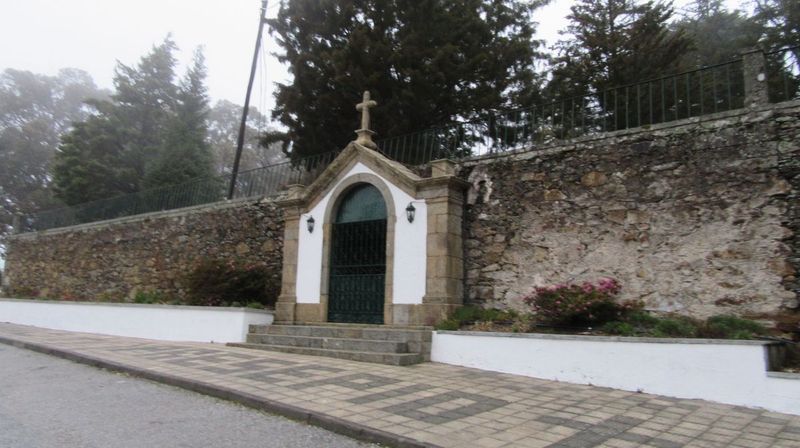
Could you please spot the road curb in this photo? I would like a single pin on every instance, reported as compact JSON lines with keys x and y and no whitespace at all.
{"x":319,"y":419}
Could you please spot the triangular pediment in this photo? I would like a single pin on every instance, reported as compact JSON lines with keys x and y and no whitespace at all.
{"x":390,"y":170}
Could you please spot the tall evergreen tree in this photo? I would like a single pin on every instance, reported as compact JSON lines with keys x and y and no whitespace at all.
{"x":718,"y":35}
{"x":614,"y":43}
{"x":425,"y":61}
{"x":780,"y":22}
{"x":150,"y":129}
{"x":184,"y":153}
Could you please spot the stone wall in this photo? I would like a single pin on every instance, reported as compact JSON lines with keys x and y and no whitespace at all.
{"x":147,"y":253}
{"x":700,"y":217}
{"x":697,"y":217}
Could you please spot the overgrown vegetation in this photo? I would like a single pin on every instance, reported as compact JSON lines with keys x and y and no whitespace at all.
{"x":587,"y":304}
{"x":211,"y":282}
{"x":153,"y":297}
{"x":592,"y":308}
{"x":473,"y":315}
{"x":214,"y":282}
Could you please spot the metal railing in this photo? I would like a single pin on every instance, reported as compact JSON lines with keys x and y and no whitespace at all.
{"x":783,"y":74}
{"x":694,"y":93}
{"x":264,"y":181}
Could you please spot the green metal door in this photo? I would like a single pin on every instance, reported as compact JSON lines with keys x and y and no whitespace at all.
{"x":358,"y":258}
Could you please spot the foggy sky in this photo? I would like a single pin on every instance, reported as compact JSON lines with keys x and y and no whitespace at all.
{"x":43,"y":36}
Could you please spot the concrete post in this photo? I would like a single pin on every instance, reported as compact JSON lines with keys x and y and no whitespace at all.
{"x":755,"y":78}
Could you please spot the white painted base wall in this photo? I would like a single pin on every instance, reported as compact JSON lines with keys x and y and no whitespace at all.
{"x":733,"y":372}
{"x":162,"y":322}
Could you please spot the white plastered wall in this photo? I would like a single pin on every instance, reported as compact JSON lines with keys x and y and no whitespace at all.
{"x":732,"y":372}
{"x":410,"y":243}
{"x":162,"y":322}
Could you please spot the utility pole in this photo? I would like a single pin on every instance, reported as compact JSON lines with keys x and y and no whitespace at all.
{"x":240,"y":141}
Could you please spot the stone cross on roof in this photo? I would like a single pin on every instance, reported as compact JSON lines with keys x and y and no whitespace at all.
{"x":365,"y":134}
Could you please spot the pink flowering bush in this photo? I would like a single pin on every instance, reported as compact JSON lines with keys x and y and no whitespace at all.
{"x":585,"y":304}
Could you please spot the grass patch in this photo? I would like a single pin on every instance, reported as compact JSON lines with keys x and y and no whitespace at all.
{"x":471,"y":315}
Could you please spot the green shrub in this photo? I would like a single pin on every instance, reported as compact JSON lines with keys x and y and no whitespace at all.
{"x":641,"y":319}
{"x":221,"y":283}
{"x":149,"y":297}
{"x":619,"y":328}
{"x":25,"y":292}
{"x":471,"y":314}
{"x":731,"y":327}
{"x":468,"y":313}
{"x":675,"y":327}
{"x":449,"y":325}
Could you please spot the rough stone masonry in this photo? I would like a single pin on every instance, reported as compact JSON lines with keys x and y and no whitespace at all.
{"x":698,"y":216}
{"x":148,"y":253}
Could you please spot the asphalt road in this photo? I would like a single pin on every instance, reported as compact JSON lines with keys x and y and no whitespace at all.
{"x":47,"y":402}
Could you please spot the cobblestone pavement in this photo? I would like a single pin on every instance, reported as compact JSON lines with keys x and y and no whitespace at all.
{"x":436,"y":404}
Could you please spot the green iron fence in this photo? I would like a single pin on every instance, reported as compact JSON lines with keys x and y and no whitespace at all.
{"x":694,"y":93}
{"x":707,"y":90}
{"x":264,"y":181}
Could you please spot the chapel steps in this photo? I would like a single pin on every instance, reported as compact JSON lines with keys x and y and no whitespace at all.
{"x":392,"y":345}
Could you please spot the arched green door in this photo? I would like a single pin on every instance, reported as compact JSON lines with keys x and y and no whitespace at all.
{"x":358,"y":258}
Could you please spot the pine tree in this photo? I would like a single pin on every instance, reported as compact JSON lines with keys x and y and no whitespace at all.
{"x":426,"y":62}
{"x":614,"y":43}
{"x":718,"y":35}
{"x":780,"y":23}
{"x":150,"y":133}
{"x":91,"y":162}
{"x":184,"y":154}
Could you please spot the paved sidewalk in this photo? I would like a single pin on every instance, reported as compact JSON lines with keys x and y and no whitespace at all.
{"x":427,"y":404}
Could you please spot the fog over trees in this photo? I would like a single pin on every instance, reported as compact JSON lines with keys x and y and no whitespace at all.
{"x":427,"y":62}
{"x":35,"y":111}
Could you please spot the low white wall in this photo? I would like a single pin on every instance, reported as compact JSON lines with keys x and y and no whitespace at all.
{"x":733,"y":372}
{"x":163,"y":322}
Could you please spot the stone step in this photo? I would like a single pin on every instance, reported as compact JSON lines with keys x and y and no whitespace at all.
{"x":376,"y":333}
{"x":395,"y":359}
{"x":357,"y":345}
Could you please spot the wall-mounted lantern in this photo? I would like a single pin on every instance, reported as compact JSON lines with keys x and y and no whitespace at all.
{"x":410,"y":212}
{"x":310,"y":224}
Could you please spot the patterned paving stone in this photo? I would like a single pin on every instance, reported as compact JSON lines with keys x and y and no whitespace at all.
{"x":446,"y":407}
{"x":442,"y":405}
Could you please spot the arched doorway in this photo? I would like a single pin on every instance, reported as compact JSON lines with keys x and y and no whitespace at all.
{"x":356,"y":289}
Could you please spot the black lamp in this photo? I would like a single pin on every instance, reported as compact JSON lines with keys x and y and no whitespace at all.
{"x":310,"y":224}
{"x":410,"y":212}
